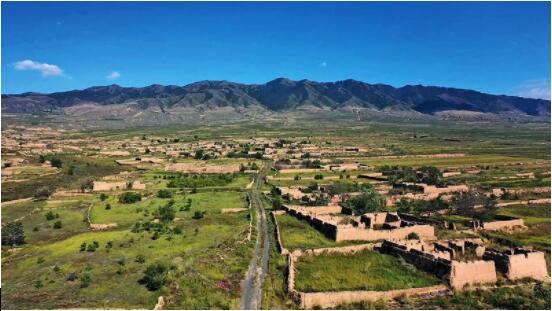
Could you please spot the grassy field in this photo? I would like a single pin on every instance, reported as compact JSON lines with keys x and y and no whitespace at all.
{"x":537,"y":219}
{"x":207,"y":260}
{"x":298,"y":234}
{"x":366,"y":270}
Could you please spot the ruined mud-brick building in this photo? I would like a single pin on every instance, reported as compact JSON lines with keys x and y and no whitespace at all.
{"x":519,"y":263}
{"x":368,"y":227}
{"x":431,"y":259}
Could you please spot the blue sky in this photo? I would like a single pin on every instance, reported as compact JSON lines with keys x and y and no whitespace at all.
{"x":499,"y":48}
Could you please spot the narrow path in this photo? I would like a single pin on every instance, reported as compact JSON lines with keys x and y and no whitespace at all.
{"x":252,"y":285}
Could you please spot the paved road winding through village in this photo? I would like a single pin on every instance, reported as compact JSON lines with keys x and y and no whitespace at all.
{"x":253,"y":283}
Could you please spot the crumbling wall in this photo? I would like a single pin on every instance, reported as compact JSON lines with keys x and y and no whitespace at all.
{"x":333,"y":299}
{"x":108,"y":186}
{"x":519,"y":263}
{"x":503,"y":224}
{"x":422,"y":260}
{"x":472,"y":273}
{"x":529,"y":264}
{"x":280,"y":245}
{"x":426,"y":232}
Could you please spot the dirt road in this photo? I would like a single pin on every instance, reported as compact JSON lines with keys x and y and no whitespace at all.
{"x":253,"y":283}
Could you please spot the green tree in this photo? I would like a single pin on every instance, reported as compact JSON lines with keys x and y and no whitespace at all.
{"x":368,"y":202}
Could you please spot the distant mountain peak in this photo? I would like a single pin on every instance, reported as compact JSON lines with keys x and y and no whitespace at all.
{"x":285,"y":94}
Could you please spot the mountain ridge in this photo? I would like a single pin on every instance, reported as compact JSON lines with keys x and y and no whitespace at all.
{"x":281,"y":94}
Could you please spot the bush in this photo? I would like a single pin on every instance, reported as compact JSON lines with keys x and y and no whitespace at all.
{"x":129,"y":197}
{"x":198,"y":215}
{"x":38,"y":284}
{"x":57,"y":224}
{"x":164,"y":194}
{"x":71,"y":277}
{"x":155,"y":276}
{"x":42,"y":193}
{"x":85,"y":280}
{"x":108,"y":206}
{"x":56,"y":162}
{"x":50,"y":216}
{"x":412,"y":236}
{"x":318,"y":176}
{"x":165,"y":213}
{"x":103,"y":197}
{"x":13,"y":234}
{"x":140,"y":258}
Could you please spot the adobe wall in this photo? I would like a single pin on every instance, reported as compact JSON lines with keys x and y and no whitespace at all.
{"x":422,"y":260}
{"x":457,"y":273}
{"x":503,"y":224}
{"x":426,"y":232}
{"x":472,"y":273}
{"x":281,"y":248}
{"x":351,"y":233}
{"x":333,"y":299}
{"x":520,"y":264}
{"x":108,"y":186}
{"x":532,"y":265}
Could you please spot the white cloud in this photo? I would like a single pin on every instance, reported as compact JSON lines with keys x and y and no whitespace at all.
{"x":45,"y":69}
{"x":113,"y":76}
{"x":323,"y":64}
{"x":535,"y":89}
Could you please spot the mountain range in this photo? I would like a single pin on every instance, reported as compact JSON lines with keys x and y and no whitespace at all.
{"x":279,"y":95}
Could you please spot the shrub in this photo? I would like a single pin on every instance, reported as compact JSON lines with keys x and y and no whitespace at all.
{"x":103,"y":197}
{"x":85,"y":279}
{"x":13,"y":234}
{"x":129,"y":197}
{"x":42,"y":193}
{"x":198,"y":215}
{"x":83,"y":247}
{"x":140,"y":258}
{"x":412,"y":236}
{"x":108,"y":206}
{"x":56,"y":162}
{"x":164,"y":194}
{"x":38,"y":284}
{"x":155,"y":276}
{"x":318,"y":176}
{"x":50,"y":216}
{"x":57,"y":224}
{"x":165,"y":213}
{"x":71,"y":276}
{"x":40,"y":260}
